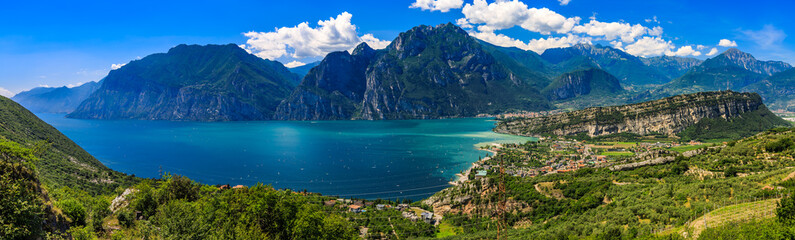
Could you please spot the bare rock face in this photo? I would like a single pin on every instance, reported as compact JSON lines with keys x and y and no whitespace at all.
{"x":665,"y":116}
{"x":331,"y":90}
{"x":121,"y":201}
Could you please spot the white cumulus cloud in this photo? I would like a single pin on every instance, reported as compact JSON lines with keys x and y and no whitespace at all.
{"x":684,"y":52}
{"x":506,"y":14}
{"x":535,"y":45}
{"x":117,"y":66}
{"x":5,"y":93}
{"x":727,"y":43}
{"x":712,"y":52}
{"x":437,"y":5}
{"x":649,"y":46}
{"x":615,"y":30}
{"x":542,"y":44}
{"x":564,"y":2}
{"x":302,"y":41}
{"x":294,"y":64}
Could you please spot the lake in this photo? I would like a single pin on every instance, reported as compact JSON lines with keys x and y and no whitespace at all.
{"x":361,"y":159}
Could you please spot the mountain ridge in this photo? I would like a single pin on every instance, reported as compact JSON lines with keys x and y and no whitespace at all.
{"x":426,"y":72}
{"x":55,"y":99}
{"x":194,"y":83}
{"x":667,"y":116}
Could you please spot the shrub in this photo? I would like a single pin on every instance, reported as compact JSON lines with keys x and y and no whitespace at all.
{"x":75,"y":211}
{"x":779,"y":145}
{"x":126,"y":218}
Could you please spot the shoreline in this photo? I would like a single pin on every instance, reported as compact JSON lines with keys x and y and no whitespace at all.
{"x":464,"y":177}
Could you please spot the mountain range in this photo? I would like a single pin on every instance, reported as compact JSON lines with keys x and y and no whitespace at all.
{"x":426,"y":72}
{"x":55,"y":99}
{"x":731,"y":70}
{"x":191,"y":82}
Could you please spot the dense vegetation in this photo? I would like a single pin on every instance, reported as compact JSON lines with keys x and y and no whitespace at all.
{"x":639,"y":203}
{"x":62,"y":162}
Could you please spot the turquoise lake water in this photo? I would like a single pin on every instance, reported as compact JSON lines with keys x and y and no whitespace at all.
{"x":362,"y":159}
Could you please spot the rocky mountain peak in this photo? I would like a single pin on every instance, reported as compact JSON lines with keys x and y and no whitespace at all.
{"x":363,"y":50}
{"x":415,"y":40}
{"x":736,"y":55}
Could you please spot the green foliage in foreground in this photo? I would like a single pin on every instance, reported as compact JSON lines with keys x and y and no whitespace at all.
{"x":182,"y":209}
{"x":21,"y":208}
{"x":60,"y":162}
{"x":781,"y":227}
{"x":604,"y":204}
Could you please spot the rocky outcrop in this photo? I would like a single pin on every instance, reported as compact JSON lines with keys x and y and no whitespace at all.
{"x":193,"y":83}
{"x":748,"y":62}
{"x":665,"y":116}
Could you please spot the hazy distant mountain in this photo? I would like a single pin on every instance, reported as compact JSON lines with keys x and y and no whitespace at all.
{"x":303,"y":70}
{"x":192,"y":82}
{"x":55,"y":99}
{"x":671,"y":66}
{"x":582,"y":82}
{"x":630,"y":70}
{"x":731,"y":70}
{"x":778,"y":90}
{"x":426,"y":72}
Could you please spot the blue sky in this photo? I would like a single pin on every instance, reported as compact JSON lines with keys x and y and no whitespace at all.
{"x":60,"y":43}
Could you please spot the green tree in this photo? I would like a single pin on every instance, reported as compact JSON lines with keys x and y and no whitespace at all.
{"x":179,"y":187}
{"x":786,"y":210}
{"x":308,"y":224}
{"x":180,"y":220}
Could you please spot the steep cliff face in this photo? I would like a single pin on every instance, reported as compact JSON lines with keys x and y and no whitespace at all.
{"x":333,"y":90}
{"x":196,"y":83}
{"x":583,"y":82}
{"x":426,"y":72}
{"x":55,"y":100}
{"x":665,"y":116}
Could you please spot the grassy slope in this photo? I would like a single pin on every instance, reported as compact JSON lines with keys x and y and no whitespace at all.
{"x":61,"y":161}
